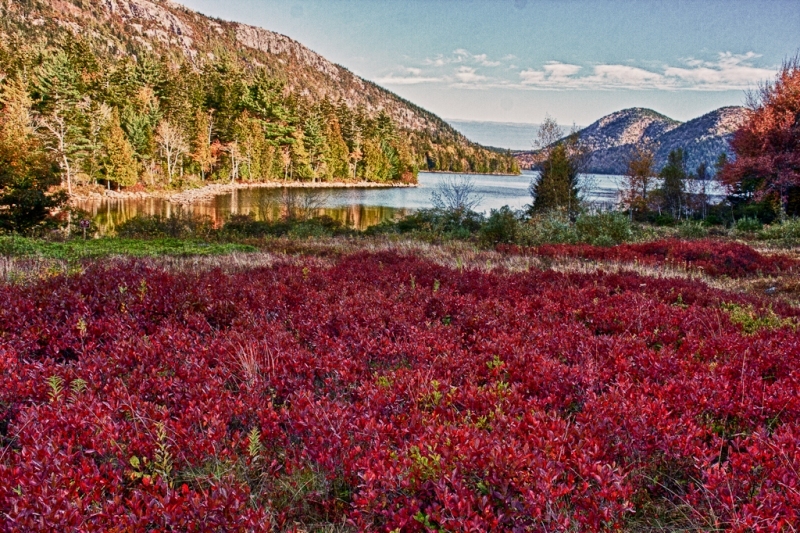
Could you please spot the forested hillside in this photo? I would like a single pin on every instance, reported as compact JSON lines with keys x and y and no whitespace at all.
{"x":138,"y":93}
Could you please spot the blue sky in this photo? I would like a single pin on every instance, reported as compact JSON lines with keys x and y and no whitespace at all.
{"x":517,"y":60}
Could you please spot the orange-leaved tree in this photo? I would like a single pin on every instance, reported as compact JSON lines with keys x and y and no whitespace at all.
{"x":767,"y":146}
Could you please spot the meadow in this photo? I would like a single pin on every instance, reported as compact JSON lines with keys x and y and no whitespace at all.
{"x":402,"y":386}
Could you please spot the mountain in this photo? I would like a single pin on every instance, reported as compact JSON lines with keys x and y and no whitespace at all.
{"x":703,"y":139}
{"x":612,"y":139}
{"x":132,"y":34}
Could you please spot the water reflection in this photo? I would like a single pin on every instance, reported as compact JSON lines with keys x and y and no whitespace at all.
{"x":356,"y":208}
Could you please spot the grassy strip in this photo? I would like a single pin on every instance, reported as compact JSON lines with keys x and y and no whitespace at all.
{"x":92,"y":248}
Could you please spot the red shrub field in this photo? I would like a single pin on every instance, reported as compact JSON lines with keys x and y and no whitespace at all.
{"x":712,"y":257}
{"x":387,"y":393}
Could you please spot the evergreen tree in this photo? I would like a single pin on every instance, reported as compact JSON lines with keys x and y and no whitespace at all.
{"x":27,"y":170}
{"x":673,"y":188}
{"x":556,"y":186}
{"x":119,"y":163}
{"x":57,"y":91}
{"x":315,"y":144}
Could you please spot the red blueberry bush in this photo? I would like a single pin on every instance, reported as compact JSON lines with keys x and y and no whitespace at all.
{"x":714,"y":258}
{"x":386,"y":393}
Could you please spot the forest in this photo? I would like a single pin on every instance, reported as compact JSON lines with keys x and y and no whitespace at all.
{"x":160,"y":121}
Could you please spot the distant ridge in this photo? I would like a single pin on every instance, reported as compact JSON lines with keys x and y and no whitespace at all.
{"x":503,"y":135}
{"x":613,"y":138}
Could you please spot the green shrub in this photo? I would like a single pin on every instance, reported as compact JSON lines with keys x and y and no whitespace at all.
{"x":691,"y":229}
{"x":502,"y":226}
{"x":748,"y":225}
{"x":178,"y":226}
{"x":248,"y":226}
{"x":661,"y":220}
{"x":16,"y":246}
{"x":440,"y":223}
{"x":603,"y":229}
{"x":788,"y":230}
{"x":552,"y":227}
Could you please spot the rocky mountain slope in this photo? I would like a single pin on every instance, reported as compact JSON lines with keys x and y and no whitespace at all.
{"x":703,"y":139}
{"x":135,"y":27}
{"x":612,"y":139}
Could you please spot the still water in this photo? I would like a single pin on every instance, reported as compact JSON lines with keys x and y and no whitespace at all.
{"x":357,"y":208}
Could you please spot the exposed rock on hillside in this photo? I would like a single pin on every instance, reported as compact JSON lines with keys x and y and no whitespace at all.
{"x":139,"y":26}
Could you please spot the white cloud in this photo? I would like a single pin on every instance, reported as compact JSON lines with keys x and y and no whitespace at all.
{"x":560,"y":71}
{"x":460,"y":55}
{"x":622,"y":76}
{"x":406,"y":80}
{"x":408,"y":76}
{"x":469,"y":75}
{"x":552,"y":75}
{"x":728,"y":72}
{"x":483,"y":60}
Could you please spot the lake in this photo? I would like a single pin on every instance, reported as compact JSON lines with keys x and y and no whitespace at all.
{"x":356,"y":208}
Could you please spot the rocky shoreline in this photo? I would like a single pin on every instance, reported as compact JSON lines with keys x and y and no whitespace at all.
{"x":208,"y":192}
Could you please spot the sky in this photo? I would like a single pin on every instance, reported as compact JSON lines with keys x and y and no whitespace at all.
{"x":520,"y":60}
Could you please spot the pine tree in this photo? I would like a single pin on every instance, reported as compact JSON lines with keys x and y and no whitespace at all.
{"x":556,"y":186}
{"x":27,"y":170}
{"x":673,"y":188}
{"x":57,"y":91}
{"x":119,"y":162}
{"x":316,"y":145}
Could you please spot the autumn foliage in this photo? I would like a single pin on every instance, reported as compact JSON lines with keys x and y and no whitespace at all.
{"x":767,"y":146}
{"x":710,"y":257}
{"x":386,"y":393}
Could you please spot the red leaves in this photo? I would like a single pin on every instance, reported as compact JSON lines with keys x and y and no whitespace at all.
{"x":713,"y":258}
{"x":259,"y":400}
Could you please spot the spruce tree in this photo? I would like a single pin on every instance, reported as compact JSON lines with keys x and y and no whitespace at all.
{"x":673,"y":188}
{"x":28,"y":172}
{"x":556,"y":187}
{"x":120,"y":162}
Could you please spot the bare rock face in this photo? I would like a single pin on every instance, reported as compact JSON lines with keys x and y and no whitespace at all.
{"x":273,"y":43}
{"x":155,"y":21}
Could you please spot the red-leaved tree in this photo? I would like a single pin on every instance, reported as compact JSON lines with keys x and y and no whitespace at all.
{"x":767,"y":146}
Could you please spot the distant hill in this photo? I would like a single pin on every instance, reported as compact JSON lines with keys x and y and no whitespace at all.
{"x":613,"y":138}
{"x":503,"y":135}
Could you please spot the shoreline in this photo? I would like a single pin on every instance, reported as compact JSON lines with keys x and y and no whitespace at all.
{"x":469,"y":173}
{"x":208,"y":192}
